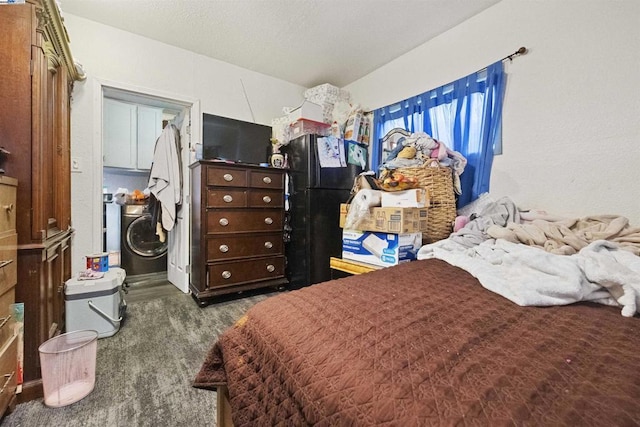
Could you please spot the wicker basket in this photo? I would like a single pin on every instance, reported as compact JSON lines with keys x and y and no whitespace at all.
{"x":439,"y":222}
{"x":438,"y":180}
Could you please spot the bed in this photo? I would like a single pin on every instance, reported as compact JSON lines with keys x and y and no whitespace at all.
{"x":424,"y":343}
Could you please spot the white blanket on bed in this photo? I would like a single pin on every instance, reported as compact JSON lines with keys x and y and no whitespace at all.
{"x":530,"y":276}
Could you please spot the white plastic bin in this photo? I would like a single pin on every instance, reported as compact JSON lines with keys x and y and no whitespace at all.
{"x":95,"y":304}
{"x":68,"y":363}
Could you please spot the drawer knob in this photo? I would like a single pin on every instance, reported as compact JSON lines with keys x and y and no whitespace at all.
{"x":9,"y":208}
{"x":228,"y":198}
{"x":224,"y":248}
{"x":268,"y":245}
{"x":268,"y":220}
{"x":266,"y":180}
{"x":226,"y":274}
{"x":224,"y":222}
{"x":270,"y":268}
{"x":266,"y":199}
{"x":227,"y":177}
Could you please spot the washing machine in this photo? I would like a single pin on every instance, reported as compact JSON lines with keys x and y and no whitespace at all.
{"x":141,"y":251}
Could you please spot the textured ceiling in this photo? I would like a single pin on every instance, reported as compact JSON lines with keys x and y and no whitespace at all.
{"x":307,"y":42}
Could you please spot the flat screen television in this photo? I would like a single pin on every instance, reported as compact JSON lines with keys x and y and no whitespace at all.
{"x":235,"y":140}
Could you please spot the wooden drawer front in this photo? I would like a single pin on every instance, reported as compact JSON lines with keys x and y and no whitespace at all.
{"x":226,"y":177}
{"x":8,"y":365}
{"x":266,"y":179}
{"x":244,"y":271}
{"x":226,"y":198}
{"x":222,"y":221}
{"x":265,"y":198}
{"x":7,"y":319}
{"x":7,"y":207}
{"x":8,"y":262}
{"x":239,"y":246}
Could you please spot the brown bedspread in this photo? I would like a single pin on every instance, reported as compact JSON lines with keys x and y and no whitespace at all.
{"x":424,"y":343}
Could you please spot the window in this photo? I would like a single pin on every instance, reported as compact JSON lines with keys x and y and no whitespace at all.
{"x":465,"y":115}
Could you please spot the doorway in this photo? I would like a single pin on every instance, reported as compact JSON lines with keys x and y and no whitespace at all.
{"x":130,"y":172}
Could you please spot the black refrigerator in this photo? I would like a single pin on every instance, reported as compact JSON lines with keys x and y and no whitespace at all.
{"x":315,"y":195}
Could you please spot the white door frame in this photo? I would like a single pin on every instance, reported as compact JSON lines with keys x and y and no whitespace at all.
{"x":196,"y":137}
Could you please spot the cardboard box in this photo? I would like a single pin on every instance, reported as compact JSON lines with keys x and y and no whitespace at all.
{"x":414,"y":198}
{"x":308,"y":111}
{"x":308,"y":127}
{"x":383,"y":249}
{"x":390,"y":220}
{"x":326,"y":94}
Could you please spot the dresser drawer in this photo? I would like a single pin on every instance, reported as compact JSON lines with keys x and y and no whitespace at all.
{"x":7,"y":320}
{"x":8,"y":365}
{"x":8,"y":262}
{"x":226,"y":177}
{"x":226,"y":198}
{"x":245,"y":271}
{"x":266,"y":179}
{"x":265,"y":198}
{"x":237,"y":228}
{"x":224,"y":221}
{"x":240,"y":246}
{"x":7,"y":204}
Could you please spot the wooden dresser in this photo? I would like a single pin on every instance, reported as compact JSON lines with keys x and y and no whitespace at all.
{"x":237,"y":218}
{"x":8,"y":279}
{"x":38,"y":73}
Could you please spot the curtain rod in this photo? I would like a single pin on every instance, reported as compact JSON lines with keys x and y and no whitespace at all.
{"x":520,"y":51}
{"x":523,"y":50}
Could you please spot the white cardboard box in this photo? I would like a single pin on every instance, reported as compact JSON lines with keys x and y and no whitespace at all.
{"x":95,"y":304}
{"x":384,"y":249}
{"x":308,"y":111}
{"x":414,"y":198}
{"x":326,"y":94}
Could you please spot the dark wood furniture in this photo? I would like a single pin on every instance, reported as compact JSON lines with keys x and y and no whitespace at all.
{"x":38,"y":72}
{"x":8,"y":277}
{"x":237,"y":218}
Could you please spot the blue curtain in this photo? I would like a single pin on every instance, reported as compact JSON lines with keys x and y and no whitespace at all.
{"x":466,"y":115}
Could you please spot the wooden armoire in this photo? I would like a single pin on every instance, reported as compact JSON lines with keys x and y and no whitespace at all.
{"x":37,"y":73}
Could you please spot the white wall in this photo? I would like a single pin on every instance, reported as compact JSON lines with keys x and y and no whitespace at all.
{"x":571,"y":132}
{"x":114,"y":56}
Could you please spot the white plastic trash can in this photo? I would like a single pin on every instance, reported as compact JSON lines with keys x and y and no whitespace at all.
{"x":95,"y":304}
{"x":68,"y":364}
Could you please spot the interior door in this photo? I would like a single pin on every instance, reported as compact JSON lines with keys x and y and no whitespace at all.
{"x":178,"y":253}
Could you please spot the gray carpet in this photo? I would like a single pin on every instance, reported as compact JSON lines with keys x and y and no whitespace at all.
{"x":144,"y":372}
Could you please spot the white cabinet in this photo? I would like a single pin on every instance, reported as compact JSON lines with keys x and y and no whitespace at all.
{"x":129,"y":134}
{"x":119,"y":134}
{"x":149,"y":129}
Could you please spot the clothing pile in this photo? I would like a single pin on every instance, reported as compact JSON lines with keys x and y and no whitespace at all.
{"x":537,"y":259}
{"x":413,"y":150}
